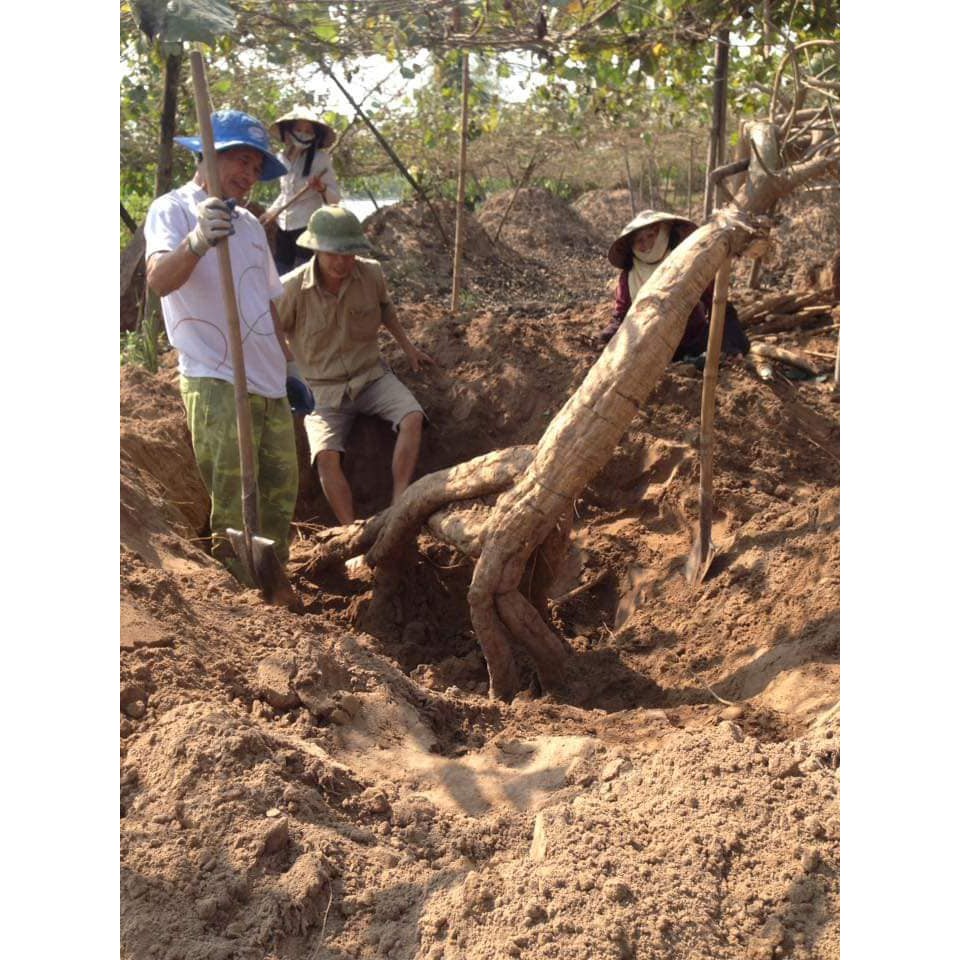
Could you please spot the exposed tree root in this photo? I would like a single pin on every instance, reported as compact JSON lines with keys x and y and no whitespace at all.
{"x":478,"y":477}
{"x":546,"y":649}
{"x":383,"y":535}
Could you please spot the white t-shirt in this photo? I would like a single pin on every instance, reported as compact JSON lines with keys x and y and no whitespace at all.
{"x":195,"y":315}
{"x":297,"y":215}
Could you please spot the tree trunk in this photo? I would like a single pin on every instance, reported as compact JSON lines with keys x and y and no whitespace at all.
{"x":168,"y":124}
{"x":149,"y":322}
{"x":540,"y":486}
{"x":584,"y":434}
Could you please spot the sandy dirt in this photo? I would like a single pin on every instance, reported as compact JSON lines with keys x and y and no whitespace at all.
{"x":339,"y":784}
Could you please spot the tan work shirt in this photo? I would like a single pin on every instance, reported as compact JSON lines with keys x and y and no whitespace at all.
{"x":334,"y":336}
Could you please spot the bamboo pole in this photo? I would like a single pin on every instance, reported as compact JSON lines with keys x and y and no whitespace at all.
{"x":703,"y":550}
{"x":461,"y":186}
{"x":633,"y":199}
{"x":534,"y":160}
{"x":719,"y":125}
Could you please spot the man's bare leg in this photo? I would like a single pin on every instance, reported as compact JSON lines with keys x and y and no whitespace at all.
{"x":335,"y":486}
{"x":405,"y":452}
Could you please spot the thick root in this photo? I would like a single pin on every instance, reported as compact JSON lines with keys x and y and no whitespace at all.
{"x":483,"y":475}
{"x":546,"y":649}
{"x":382,"y":536}
{"x":495,"y":646}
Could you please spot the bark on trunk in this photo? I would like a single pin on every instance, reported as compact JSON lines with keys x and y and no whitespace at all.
{"x":168,"y":123}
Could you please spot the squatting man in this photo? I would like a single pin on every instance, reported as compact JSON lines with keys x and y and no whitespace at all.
{"x":331,"y":312}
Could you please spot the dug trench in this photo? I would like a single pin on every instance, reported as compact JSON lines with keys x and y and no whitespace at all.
{"x":339,"y":784}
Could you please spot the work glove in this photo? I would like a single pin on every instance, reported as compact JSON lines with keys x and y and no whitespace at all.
{"x":213,"y":224}
{"x":298,"y":393}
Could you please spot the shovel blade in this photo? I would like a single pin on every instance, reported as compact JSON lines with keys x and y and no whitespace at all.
{"x":698,"y":562}
{"x":242,"y":550}
{"x":271,"y":577}
{"x":264,"y":569}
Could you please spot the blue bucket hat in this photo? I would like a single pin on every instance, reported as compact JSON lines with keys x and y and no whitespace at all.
{"x":233,"y":128}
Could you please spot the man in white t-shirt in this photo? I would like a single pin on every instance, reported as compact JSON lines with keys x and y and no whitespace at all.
{"x":181,"y":228}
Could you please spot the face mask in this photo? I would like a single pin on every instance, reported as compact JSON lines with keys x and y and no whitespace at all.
{"x":300,"y":140}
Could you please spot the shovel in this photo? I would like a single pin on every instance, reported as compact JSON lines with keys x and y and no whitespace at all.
{"x":256,"y":553}
{"x":703,"y":550}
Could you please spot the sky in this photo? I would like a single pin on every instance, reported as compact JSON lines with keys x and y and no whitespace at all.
{"x":377,"y":70}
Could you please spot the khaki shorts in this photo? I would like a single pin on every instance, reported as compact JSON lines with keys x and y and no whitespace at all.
{"x":327,"y":427}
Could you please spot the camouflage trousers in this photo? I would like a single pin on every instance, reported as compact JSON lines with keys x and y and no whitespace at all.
{"x":212,"y":419}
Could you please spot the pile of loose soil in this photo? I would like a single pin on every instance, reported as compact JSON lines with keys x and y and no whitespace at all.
{"x":418,"y":258}
{"x":804,"y":249}
{"x":541,"y":226}
{"x":339,"y":785}
{"x":607,"y":211}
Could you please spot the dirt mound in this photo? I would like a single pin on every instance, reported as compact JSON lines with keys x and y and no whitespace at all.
{"x":338,"y":785}
{"x":155,"y":441}
{"x":804,"y":251}
{"x":540,"y":225}
{"x":607,"y":211}
{"x":418,"y":259}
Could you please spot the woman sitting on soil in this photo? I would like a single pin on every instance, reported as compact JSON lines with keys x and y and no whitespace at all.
{"x":642,"y":246}
{"x":305,"y":141}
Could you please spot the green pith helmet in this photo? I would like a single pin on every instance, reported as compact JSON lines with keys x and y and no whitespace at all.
{"x":334,"y":230}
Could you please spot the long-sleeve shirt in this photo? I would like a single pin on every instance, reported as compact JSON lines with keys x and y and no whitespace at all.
{"x":297,"y":215}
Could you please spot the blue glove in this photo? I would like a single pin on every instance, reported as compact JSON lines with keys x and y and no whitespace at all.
{"x":298,"y":393}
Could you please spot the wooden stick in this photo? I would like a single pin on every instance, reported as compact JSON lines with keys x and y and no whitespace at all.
{"x":633,"y":201}
{"x":391,"y":153}
{"x":718,"y":127}
{"x":534,"y":160}
{"x":460,"y":228}
{"x":791,"y":357}
{"x":782,"y":323}
{"x":782,"y":302}
{"x":273,"y":214}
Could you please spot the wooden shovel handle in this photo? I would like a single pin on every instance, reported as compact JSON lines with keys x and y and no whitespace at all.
{"x":248,"y":477}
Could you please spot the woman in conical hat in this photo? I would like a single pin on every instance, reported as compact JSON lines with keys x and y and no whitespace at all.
{"x":306,"y":139}
{"x":642,"y":246}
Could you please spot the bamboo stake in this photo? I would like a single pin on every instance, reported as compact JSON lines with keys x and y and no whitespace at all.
{"x":718,"y":128}
{"x":273,"y":214}
{"x":633,"y":199}
{"x":534,"y":160}
{"x":461,"y":186}
{"x":703,"y":550}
